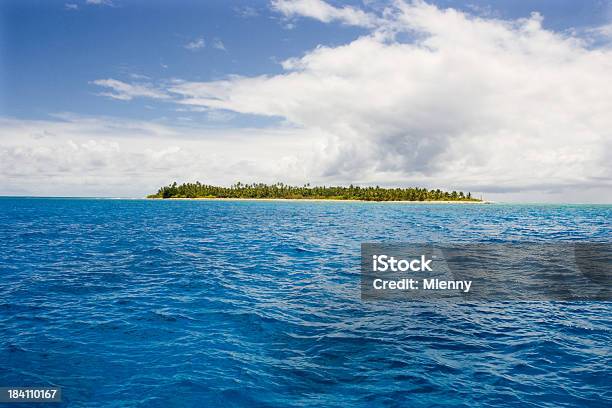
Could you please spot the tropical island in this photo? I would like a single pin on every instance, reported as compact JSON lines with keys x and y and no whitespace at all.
{"x":280,"y":191}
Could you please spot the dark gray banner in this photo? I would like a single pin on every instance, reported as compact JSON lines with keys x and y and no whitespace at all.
{"x":30,"y":394}
{"x":486,"y":272}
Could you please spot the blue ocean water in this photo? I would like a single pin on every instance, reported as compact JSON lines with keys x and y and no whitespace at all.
{"x":142,"y":303}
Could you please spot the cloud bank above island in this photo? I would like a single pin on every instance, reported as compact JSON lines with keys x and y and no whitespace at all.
{"x":426,"y":96}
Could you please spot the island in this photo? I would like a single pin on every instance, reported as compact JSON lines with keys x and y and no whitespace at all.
{"x":280,"y":191}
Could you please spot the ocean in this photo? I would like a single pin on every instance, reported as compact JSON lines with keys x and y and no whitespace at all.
{"x":150,"y":303}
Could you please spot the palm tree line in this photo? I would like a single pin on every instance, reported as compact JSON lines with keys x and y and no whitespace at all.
{"x":283,"y":191}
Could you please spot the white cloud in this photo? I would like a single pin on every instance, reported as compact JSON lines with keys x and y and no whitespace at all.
{"x":220,"y":116}
{"x":139,"y":76}
{"x":324,"y":12}
{"x":125,"y":92}
{"x":101,"y":156}
{"x":484,"y":104}
{"x":601,"y":33}
{"x":606,"y":30}
{"x":218,"y":44}
{"x":71,"y":6}
{"x":99,"y":2}
{"x":196,"y":44}
{"x":502,"y":107}
{"x":246,"y":12}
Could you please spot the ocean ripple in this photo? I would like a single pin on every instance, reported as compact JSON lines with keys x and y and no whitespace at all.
{"x":202,"y":303}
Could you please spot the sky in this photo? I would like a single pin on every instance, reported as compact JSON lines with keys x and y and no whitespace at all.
{"x":510,"y":100}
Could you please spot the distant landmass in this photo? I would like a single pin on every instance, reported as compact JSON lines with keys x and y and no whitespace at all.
{"x":282,"y":191}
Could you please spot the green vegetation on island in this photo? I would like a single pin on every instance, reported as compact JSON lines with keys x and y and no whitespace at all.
{"x":282,"y":191}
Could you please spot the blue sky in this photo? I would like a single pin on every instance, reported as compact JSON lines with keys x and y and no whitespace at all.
{"x":508,"y":99}
{"x":51,"y":51}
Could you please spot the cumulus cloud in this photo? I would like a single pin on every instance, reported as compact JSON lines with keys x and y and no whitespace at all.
{"x":196,"y":44}
{"x":125,"y":91}
{"x":71,"y":6}
{"x":323,"y":11}
{"x":429,"y":96}
{"x":99,"y":156}
{"x":487,"y":104}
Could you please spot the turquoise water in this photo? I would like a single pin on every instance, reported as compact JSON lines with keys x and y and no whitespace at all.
{"x":204,"y":303}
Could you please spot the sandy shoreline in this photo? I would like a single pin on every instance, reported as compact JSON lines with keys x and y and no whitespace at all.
{"x":322,"y":200}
